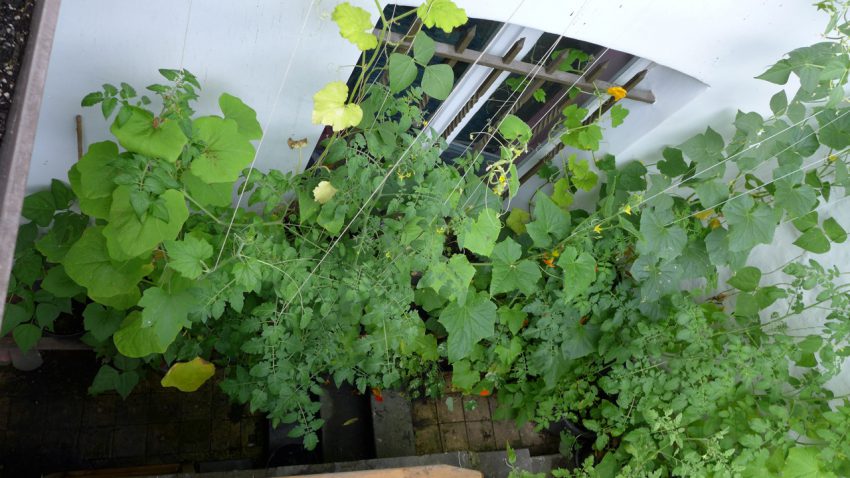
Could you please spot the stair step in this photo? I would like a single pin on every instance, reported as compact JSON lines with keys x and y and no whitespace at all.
{"x":392,"y":423}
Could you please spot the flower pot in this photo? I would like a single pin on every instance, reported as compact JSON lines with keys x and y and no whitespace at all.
{"x":21,"y":123}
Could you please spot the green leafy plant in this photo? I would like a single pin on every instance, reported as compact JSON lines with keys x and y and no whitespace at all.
{"x":381,"y":265}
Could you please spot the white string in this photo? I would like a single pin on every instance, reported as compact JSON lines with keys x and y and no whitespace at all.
{"x":761,"y":186}
{"x":380,"y":185}
{"x":603,"y":220}
{"x":265,"y":129}
{"x":186,"y":34}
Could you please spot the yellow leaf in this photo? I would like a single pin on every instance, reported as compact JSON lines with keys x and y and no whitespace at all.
{"x":188,"y":376}
{"x":355,"y":25}
{"x":329,"y":107}
{"x":324,"y":192}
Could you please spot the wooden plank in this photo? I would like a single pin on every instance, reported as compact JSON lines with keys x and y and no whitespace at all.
{"x":433,"y":471}
{"x":47,"y":343}
{"x":527,"y":69}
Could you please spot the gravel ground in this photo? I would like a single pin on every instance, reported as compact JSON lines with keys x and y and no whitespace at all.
{"x":14,"y":28}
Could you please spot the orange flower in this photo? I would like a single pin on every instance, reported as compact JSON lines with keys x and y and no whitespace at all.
{"x":618,"y":92}
{"x":484,"y":393}
{"x":377,"y":393}
{"x":549,"y":261}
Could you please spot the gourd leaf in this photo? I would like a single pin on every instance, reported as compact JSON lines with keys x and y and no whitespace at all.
{"x":480,"y":236}
{"x":57,"y":282}
{"x":245,"y":117}
{"x":468,"y":324}
{"x":127,"y":236}
{"x":660,"y":240}
{"x":749,"y":224}
{"x":746,"y":279}
{"x":88,"y":263}
{"x":166,"y":311}
{"x":329,"y":107}
{"x":187,"y":256}
{"x":450,"y":279}
{"x":579,"y":271}
{"x":66,"y":229}
{"x":39,"y":208}
{"x":101,"y":322}
{"x":94,"y":207}
{"x":188,"y":376}
{"x":135,"y":341}
{"x":355,"y":25}
{"x":26,"y":336}
{"x":224,"y":153}
{"x":510,"y":273}
{"x":142,"y":133}
{"x":514,"y":129}
{"x":443,"y":14}
{"x":438,"y":80}
{"x":208,"y":194}
{"x":517,"y":219}
{"x":550,"y":221}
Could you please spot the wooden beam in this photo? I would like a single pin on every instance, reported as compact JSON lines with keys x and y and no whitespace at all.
{"x":527,"y":69}
{"x":464,"y":42}
{"x":432,"y":471}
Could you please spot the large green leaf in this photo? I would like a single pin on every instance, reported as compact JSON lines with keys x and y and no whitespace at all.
{"x":188,"y":376}
{"x":57,"y":282}
{"x":39,"y":208}
{"x":135,"y":341}
{"x":187,"y":256}
{"x":208,"y":194}
{"x":142,"y":133}
{"x":579,"y":271}
{"x":514,"y":129}
{"x":813,"y":240}
{"x":450,"y":279}
{"x":798,"y":200}
{"x":706,"y":150}
{"x":517,"y":219}
{"x":834,"y":231}
{"x":468,"y":324}
{"x":66,"y":229}
{"x":510,"y":273}
{"x":659,"y":239}
{"x":166,"y":311}
{"x":355,"y":25}
{"x":94,"y":207}
{"x":423,"y":48}
{"x":750,"y":224}
{"x":443,"y":14}
{"x":26,"y":336}
{"x":244,"y":116}
{"x":581,"y":339}
{"x":224,"y":153}
{"x":89,"y":264}
{"x":550,"y":222}
{"x":480,"y":236}
{"x":438,"y":80}
{"x":101,"y":322}
{"x":402,"y":72}
{"x":329,"y":107}
{"x":746,"y":279}
{"x":128,"y":237}
{"x":97,"y":171}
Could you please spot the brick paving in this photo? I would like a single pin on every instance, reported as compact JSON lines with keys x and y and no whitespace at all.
{"x":48,"y":422}
{"x":468,"y":425}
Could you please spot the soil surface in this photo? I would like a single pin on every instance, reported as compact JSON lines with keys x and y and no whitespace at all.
{"x":15,"y":22}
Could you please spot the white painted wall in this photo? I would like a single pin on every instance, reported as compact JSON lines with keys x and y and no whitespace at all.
{"x":244,"y":47}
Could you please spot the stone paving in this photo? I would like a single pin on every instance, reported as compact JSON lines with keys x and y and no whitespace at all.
{"x":468,"y":425}
{"x":49,"y":422}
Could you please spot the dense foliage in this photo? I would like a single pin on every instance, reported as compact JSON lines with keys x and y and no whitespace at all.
{"x":382,"y":264}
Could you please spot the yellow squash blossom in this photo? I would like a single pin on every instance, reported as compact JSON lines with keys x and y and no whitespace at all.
{"x":618,"y":92}
{"x":628,"y":209}
{"x":597,"y":229}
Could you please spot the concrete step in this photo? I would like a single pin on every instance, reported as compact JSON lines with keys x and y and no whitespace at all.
{"x":392,"y":423}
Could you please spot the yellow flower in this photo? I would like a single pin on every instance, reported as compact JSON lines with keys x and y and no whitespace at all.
{"x":618,"y":92}
{"x":714,"y":223}
{"x":702,"y":215}
{"x":832,"y":158}
{"x":556,"y":253}
{"x":628,"y":209}
{"x":502,"y":178}
{"x":597,"y":229}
